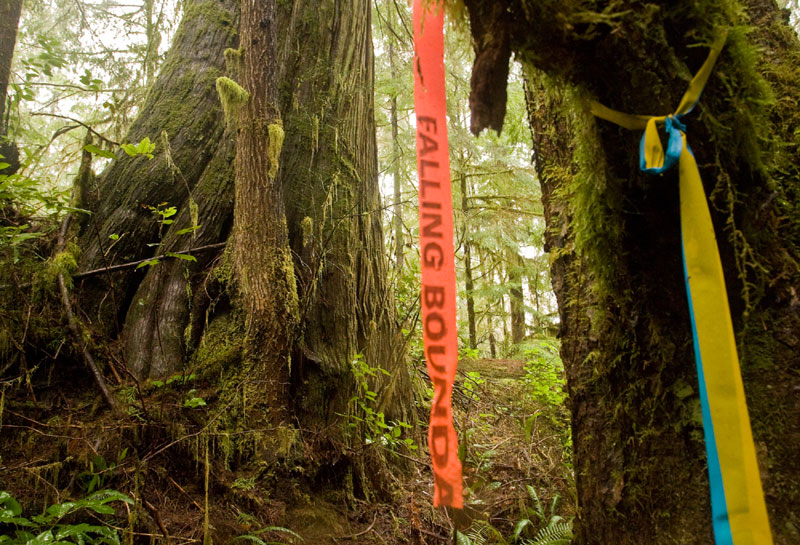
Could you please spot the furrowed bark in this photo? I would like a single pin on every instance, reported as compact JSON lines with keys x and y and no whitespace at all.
{"x":262,"y":260}
{"x":183,"y":103}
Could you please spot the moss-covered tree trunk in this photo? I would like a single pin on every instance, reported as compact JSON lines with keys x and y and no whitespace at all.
{"x":193,"y":169}
{"x":262,"y":260}
{"x":614,"y":238}
{"x":332,"y":276}
{"x":329,"y":171}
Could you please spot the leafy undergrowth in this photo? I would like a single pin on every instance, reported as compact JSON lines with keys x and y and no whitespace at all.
{"x":172,"y":480}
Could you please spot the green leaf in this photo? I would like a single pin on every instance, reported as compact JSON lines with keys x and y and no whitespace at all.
{"x":461,"y":539}
{"x":8,"y":505}
{"x":169,"y":212}
{"x":4,"y":165}
{"x":187,"y":230}
{"x":194,"y":402}
{"x":91,"y":148}
{"x":185,"y":257}
{"x":148,"y":263}
{"x":130,"y":149}
{"x":520,"y":527}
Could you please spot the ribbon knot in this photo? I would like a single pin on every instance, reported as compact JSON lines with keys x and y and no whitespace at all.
{"x":652,"y":158}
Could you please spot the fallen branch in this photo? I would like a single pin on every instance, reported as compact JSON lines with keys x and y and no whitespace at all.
{"x":130,"y":264}
{"x":72,"y":322}
{"x":123,"y":266}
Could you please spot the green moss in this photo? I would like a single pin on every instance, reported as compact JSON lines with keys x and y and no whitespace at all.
{"x":233,"y":60}
{"x":276,"y":136}
{"x":221,"y":345}
{"x":307,"y":228}
{"x":64,"y":263}
{"x":212,"y":14}
{"x":233,"y":96}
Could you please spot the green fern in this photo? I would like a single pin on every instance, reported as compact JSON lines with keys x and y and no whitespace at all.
{"x":555,"y":533}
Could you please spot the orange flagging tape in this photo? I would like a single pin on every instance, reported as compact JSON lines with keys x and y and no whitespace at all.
{"x":436,"y":247}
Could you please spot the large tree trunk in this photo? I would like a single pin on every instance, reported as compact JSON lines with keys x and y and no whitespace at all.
{"x":329,"y":170}
{"x":626,"y":339}
{"x":183,"y":103}
{"x":328,"y":180}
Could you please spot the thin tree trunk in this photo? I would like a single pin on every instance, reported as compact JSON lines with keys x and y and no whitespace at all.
{"x":517,"y":301}
{"x":397,"y":220}
{"x":469,"y":282}
{"x":492,"y":338}
{"x":533,"y":288}
{"x":262,"y":260}
{"x":9,"y":22}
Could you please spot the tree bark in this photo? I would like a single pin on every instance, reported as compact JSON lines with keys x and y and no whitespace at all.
{"x":515,"y":267}
{"x":9,"y":22}
{"x":262,"y":260}
{"x":329,"y":169}
{"x":626,"y":340}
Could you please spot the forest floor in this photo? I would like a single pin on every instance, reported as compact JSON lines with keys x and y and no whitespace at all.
{"x":514,"y":443}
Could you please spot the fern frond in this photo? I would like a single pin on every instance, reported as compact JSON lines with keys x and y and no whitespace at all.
{"x":559,"y":533}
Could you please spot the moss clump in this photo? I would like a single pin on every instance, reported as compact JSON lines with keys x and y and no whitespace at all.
{"x":233,"y":60}
{"x":64,"y":263}
{"x":307,"y":228}
{"x":233,"y":96}
{"x":276,"y":136}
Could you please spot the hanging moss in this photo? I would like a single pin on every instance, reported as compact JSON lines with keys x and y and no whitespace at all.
{"x":276,"y":136}
{"x":233,"y":96}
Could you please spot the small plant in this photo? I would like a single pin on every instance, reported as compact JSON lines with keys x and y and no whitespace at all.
{"x":544,"y":373}
{"x":49,"y":528}
{"x":94,"y":478}
{"x":144,"y":147}
{"x":472,"y":382}
{"x":553,"y":529}
{"x":193,"y":401}
{"x":377,"y":430}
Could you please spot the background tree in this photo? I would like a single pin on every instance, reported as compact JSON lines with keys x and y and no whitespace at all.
{"x":9,"y":21}
{"x":614,"y":237}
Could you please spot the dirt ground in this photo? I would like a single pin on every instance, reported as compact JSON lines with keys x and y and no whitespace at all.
{"x":59,"y":444}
